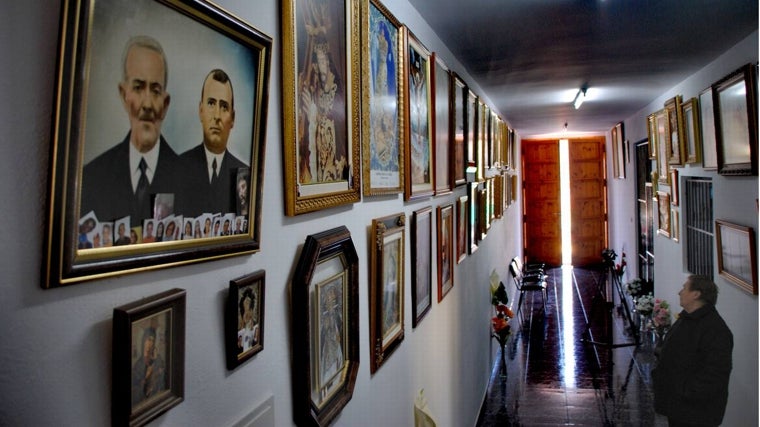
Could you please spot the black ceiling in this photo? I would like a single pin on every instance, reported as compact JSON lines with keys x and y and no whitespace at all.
{"x":530,"y":57}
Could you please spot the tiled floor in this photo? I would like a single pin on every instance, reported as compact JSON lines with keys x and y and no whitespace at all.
{"x":555,"y":375}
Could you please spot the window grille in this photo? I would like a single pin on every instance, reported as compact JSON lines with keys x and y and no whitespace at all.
{"x":699,"y":225}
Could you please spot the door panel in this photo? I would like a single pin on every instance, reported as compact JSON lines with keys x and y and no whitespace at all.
{"x":588,"y":206}
{"x":541,"y":199}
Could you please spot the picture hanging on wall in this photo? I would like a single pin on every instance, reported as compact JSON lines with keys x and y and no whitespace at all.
{"x":325,"y":326}
{"x":691,"y":131}
{"x":458,"y":128}
{"x":148,"y":358}
{"x":441,"y":102}
{"x":419,"y":174}
{"x":663,"y":207}
{"x":675,"y":126}
{"x":141,"y":198}
{"x":422,"y":265}
{"x":445,"y":239}
{"x":383,"y":100}
{"x":737,"y":260}
{"x":244,"y":318}
{"x":735,"y":110}
{"x":461,"y":233}
{"x":386,"y":308}
{"x":321,"y":104}
{"x":707,"y":128}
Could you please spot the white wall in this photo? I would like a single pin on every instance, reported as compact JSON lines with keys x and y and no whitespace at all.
{"x":735,"y":200}
{"x":55,"y":345}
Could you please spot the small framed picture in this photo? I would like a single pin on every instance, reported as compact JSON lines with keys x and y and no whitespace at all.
{"x":422,"y":249}
{"x":663,"y":206}
{"x":244,"y":319}
{"x":473,"y":234}
{"x":675,"y":125}
{"x":459,"y":128}
{"x":691,"y":131}
{"x":441,"y":101}
{"x":419,"y":152}
{"x":148,"y":358}
{"x":445,"y":253}
{"x":386,"y":329}
{"x":674,"y":187}
{"x":737,"y":260}
{"x":675,"y":220}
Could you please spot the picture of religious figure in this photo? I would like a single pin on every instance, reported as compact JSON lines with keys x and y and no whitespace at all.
{"x":331,"y":333}
{"x":321,"y":92}
{"x":248,"y":318}
{"x":419,"y":117}
{"x":149,"y":354}
{"x":391,"y":307}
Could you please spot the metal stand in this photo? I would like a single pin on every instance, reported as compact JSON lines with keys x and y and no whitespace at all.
{"x":608,"y":285}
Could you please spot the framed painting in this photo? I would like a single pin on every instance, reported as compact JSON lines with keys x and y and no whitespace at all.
{"x":472,"y":135}
{"x":692,"y":143}
{"x":675,"y":125}
{"x":445,"y":238}
{"x":386,"y":307}
{"x":442,"y":126}
{"x":481,"y":141}
{"x":618,"y":152}
{"x":662,"y":125}
{"x":458,"y":128}
{"x":422,"y":278}
{"x":707,"y":127}
{"x":321,"y":104}
{"x":383,"y":100}
{"x":675,"y":220}
{"x":488,"y":138}
{"x":498,"y":196}
{"x":325,"y":326}
{"x":515,"y":188}
{"x":674,"y":187}
{"x":663,"y":206}
{"x":244,"y":318}
{"x":473,"y":234}
{"x":736,"y":254}
{"x":652,"y":133}
{"x":148,"y":358}
{"x":106,"y":206}
{"x":735,"y":110}
{"x":462,"y":222}
{"x":418,"y":158}
{"x":483,"y":222}
{"x":514,"y":160}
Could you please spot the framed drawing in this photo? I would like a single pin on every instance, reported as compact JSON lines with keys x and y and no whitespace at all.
{"x":692,"y":143}
{"x":244,"y":318}
{"x":663,"y":206}
{"x":325,"y":326}
{"x":736,"y":254}
{"x":445,"y":238}
{"x":675,"y":232}
{"x":386,"y":295}
{"x":707,"y":122}
{"x":441,"y":126}
{"x":383,"y":98}
{"x":321,"y":104}
{"x":675,"y":125}
{"x":418,"y":156}
{"x":662,"y":125}
{"x":462,"y":222}
{"x":473,"y":234}
{"x":148,"y":358}
{"x":472,"y":134}
{"x":458,"y":128}
{"x":734,"y":102}
{"x":104,"y":204}
{"x":422,"y":278}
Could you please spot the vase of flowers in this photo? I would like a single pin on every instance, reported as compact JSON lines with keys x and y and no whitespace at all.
{"x":634,"y":287}
{"x":500,"y":322}
{"x":661,"y":318}
{"x":644,"y":306}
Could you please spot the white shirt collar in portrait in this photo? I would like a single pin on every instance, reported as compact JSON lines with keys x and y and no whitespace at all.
{"x":210,"y":161}
{"x":151,"y":160}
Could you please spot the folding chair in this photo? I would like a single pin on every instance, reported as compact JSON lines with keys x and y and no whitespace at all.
{"x":524,"y":284}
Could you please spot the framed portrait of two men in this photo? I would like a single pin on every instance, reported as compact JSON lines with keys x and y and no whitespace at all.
{"x":157,"y":140}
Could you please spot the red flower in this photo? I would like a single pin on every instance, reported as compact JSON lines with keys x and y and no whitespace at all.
{"x":499,"y":323}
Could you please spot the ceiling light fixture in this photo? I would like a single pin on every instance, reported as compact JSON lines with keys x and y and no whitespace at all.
{"x":579,"y":97}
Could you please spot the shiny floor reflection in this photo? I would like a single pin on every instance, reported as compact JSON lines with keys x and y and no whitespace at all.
{"x":555,"y":376}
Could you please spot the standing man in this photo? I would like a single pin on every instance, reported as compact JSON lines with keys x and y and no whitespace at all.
{"x":211,"y":168}
{"x":694,"y":360}
{"x":120,"y":181}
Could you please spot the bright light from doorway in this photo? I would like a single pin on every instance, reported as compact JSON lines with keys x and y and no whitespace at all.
{"x":565,"y":218}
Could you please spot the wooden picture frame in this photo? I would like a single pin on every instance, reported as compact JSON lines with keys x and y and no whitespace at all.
{"x":663,"y":208}
{"x":675,"y":125}
{"x":618,"y":153}
{"x":662,"y":123}
{"x":736,"y":254}
{"x":148,"y":358}
{"x":325,"y":326}
{"x":462,"y":222}
{"x":691,"y":131}
{"x":422,"y":264}
{"x":458,"y":128}
{"x":473,"y":230}
{"x":481,"y":141}
{"x":498,"y":196}
{"x":707,"y":128}
{"x":515,"y":187}
{"x":472,"y":134}
{"x":321,"y":156}
{"x":445,"y":253}
{"x":675,"y":229}
{"x":442,"y":122}
{"x":652,"y":134}
{"x":383,"y":100}
{"x":483,"y":223}
{"x":386,"y":305}
{"x":674,"y":187}
{"x":419,"y":170}
{"x":244,"y":318}
{"x":91,"y":188}
{"x":735,"y":110}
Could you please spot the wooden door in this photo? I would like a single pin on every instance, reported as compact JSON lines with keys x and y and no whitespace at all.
{"x":588,"y":200}
{"x":541,"y":201}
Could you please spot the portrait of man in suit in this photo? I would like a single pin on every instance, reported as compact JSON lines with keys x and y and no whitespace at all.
{"x":121,"y":181}
{"x":210,"y":169}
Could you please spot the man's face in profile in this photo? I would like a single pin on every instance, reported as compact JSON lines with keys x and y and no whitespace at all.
{"x":144,"y":96}
{"x":217,"y":114}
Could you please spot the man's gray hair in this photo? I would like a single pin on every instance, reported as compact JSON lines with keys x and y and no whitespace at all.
{"x":146,"y":42}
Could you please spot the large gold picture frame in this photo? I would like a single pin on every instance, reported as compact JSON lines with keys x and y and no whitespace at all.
{"x":419,"y":153}
{"x":122,"y":204}
{"x":321,"y":104}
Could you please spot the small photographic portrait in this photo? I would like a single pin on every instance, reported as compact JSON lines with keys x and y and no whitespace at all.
{"x":207,"y":221}
{"x":171,"y":228}
{"x":245,"y":318}
{"x":121,"y":232}
{"x":217,"y":231}
{"x":163,"y":206}
{"x":241,"y":225}
{"x":135,"y":235}
{"x":228,"y":224}
{"x":149,"y":231}
{"x":106,"y":234}
{"x":243,"y":183}
{"x":87,"y":230}
{"x":187,"y":230}
{"x":197,"y":230}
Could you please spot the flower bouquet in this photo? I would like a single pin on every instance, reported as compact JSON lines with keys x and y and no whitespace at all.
{"x":620,"y":268}
{"x":500,"y":323}
{"x":661,"y":316}
{"x":645,"y":304}
{"x":633,"y":288}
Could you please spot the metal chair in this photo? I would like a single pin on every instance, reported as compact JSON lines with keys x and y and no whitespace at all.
{"x":524,"y":284}
{"x":530,"y":268}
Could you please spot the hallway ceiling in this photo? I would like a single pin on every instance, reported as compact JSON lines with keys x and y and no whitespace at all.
{"x":531,"y":56}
